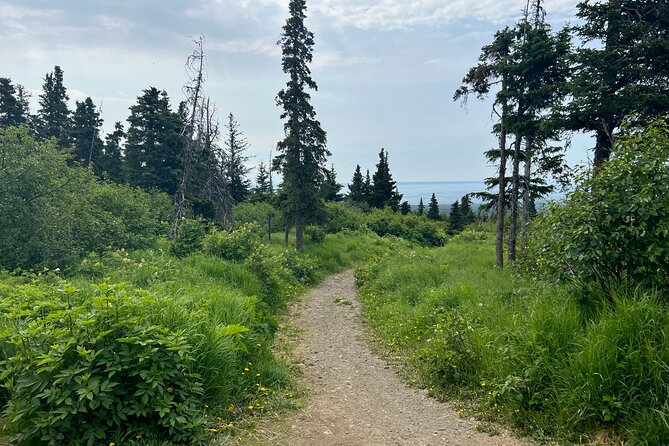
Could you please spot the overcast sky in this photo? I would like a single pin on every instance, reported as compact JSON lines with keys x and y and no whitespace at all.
{"x":386,"y":69}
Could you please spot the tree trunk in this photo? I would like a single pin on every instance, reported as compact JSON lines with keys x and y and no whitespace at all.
{"x":499,"y":248}
{"x":286,"y":234}
{"x":526,"y":195}
{"x":299,"y":237}
{"x":515,"y":182}
{"x":603,"y":149}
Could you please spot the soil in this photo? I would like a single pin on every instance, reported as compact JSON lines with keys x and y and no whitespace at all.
{"x":354,"y":396}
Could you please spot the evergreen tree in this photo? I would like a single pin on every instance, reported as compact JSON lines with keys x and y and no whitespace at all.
{"x":154,"y":142}
{"x":236,"y":172}
{"x":622,"y":67}
{"x":367,"y":189}
{"x":84,"y":132}
{"x":466,"y":213}
{"x":384,"y":190}
{"x":13,"y":104}
{"x":405,"y":208}
{"x":111,"y":161}
{"x":421,"y":207}
{"x":330,"y":189}
{"x":433,"y":212}
{"x":53,"y":117}
{"x":356,"y":190}
{"x":456,"y":223}
{"x":302,"y":154}
{"x":263,"y":189}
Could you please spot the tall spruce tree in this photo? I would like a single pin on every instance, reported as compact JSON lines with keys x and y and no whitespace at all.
{"x":367,"y":189}
{"x":405,"y":208}
{"x":237,"y":171}
{"x":621,"y":69}
{"x":356,"y":190}
{"x":112,"y":157}
{"x":433,"y":212}
{"x":53,"y":117}
{"x":303,"y":152}
{"x":466,"y":212}
{"x":262,"y":191}
{"x":153,"y":146}
{"x":13,"y":104}
{"x":421,"y":207}
{"x":455,"y":218}
{"x":84,"y":133}
{"x":384,"y":189}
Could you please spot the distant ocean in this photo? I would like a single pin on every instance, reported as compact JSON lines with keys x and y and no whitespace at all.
{"x":446,"y":191}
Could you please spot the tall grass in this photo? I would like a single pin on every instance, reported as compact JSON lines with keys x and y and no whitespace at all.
{"x":525,"y":351}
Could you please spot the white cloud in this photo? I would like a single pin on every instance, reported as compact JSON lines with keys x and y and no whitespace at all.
{"x":112,"y":23}
{"x":262,"y":47}
{"x":328,"y":59}
{"x":398,"y":14}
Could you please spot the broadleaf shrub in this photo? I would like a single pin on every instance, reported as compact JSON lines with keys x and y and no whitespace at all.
{"x":235,"y":245}
{"x":84,"y":369}
{"x":614,"y":228}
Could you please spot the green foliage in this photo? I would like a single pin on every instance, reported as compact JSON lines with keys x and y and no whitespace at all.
{"x":342,"y":216}
{"x":257,"y":213}
{"x":409,"y":227}
{"x":189,"y":237}
{"x":14,"y":109}
{"x":383,"y":191}
{"x":613,"y":229}
{"x":84,"y":133}
{"x":315,"y":233}
{"x":433,"y":212}
{"x":525,"y":351}
{"x":235,"y":245}
{"x":53,"y":116}
{"x":86,"y":368}
{"x":52,"y":214}
{"x":356,"y":190}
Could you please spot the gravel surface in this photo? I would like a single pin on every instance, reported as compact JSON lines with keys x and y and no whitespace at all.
{"x":355,"y":397}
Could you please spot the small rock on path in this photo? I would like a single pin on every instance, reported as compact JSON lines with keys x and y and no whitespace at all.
{"x":355,"y":398}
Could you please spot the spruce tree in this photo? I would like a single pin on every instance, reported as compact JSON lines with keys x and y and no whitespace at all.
{"x":154,"y":143}
{"x":433,"y":212}
{"x":13,"y":104}
{"x":356,"y":190}
{"x":112,"y":157}
{"x":263,"y":189}
{"x":367,"y":189}
{"x":53,"y":117}
{"x":330,"y":188}
{"x":405,"y":208}
{"x":421,"y":207}
{"x":303,"y":152}
{"x":466,"y":213}
{"x":384,"y":190}
{"x":84,"y":133}
{"x":455,"y":220}
{"x":236,"y":170}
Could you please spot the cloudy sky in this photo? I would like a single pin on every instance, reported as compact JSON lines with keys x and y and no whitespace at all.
{"x":386,"y":69}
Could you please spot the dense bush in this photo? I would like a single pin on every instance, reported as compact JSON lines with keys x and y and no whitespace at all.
{"x":189,"y":237}
{"x":258,"y":213}
{"x":233,"y":245}
{"x":409,"y":227}
{"x":86,"y":369}
{"x":614,"y":228}
{"x":341,"y":216}
{"x":52,"y":214}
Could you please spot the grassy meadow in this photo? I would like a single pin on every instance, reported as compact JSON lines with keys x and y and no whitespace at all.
{"x":519,"y":350}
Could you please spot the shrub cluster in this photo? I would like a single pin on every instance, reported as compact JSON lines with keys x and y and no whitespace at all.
{"x":409,"y":227}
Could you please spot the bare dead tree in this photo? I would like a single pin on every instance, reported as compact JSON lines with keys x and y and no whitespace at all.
{"x":195,"y":65}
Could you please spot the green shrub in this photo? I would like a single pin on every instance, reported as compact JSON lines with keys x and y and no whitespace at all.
{"x":340,"y":216}
{"x":315,"y":233}
{"x":302,"y":266}
{"x":258,"y":213}
{"x":88,"y":369}
{"x":189,"y":237}
{"x":409,"y":227}
{"x":613,"y":230}
{"x":235,"y":245}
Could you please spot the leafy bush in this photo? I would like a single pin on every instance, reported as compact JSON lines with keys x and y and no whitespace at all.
{"x":234,"y":245}
{"x":340,"y":216}
{"x":258,"y":212}
{"x":315,"y":233}
{"x":409,"y":227}
{"x":189,"y":237}
{"x":52,"y":214}
{"x":614,"y":228}
{"x":89,"y":368}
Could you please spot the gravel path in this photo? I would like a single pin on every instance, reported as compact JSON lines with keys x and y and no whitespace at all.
{"x":355,"y":397}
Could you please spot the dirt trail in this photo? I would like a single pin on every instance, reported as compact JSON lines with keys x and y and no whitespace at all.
{"x":355,"y":397}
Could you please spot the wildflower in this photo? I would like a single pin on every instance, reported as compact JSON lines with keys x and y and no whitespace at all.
{"x":170,"y":389}
{"x":211,"y":429}
{"x":246,"y":369}
{"x":112,"y":444}
{"x":138,"y":437}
